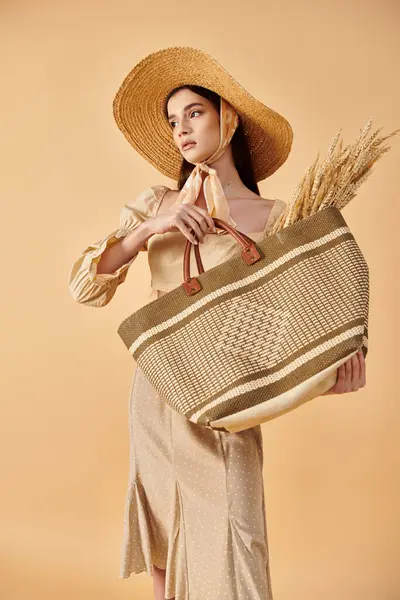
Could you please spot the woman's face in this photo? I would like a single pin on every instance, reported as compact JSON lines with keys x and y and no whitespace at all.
{"x":198,"y":122}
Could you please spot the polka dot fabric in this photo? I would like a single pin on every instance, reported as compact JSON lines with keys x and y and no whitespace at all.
{"x":195,"y":504}
{"x":195,"y":499}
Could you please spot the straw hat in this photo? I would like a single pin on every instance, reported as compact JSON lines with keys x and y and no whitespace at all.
{"x":139,"y":103}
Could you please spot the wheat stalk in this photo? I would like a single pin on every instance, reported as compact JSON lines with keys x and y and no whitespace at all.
{"x":336,"y":180}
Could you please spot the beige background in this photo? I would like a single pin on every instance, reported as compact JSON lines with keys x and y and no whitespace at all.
{"x":332,"y":466}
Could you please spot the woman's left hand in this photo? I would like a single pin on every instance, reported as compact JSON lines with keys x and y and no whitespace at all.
{"x":350,"y":375}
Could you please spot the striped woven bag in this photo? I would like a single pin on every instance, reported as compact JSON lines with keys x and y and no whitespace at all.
{"x":261,"y":333}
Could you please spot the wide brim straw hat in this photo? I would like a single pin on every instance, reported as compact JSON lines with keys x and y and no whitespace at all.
{"x":138,"y":109}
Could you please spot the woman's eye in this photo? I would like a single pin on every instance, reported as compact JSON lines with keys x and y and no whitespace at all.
{"x":193,"y":111}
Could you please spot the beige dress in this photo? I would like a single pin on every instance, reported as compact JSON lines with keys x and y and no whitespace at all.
{"x":195,"y":500}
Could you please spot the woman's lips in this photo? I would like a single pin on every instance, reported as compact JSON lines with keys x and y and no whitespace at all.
{"x":189,"y":146}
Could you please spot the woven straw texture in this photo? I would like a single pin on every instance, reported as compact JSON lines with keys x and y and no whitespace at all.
{"x":139,"y":103}
{"x":255,"y":332}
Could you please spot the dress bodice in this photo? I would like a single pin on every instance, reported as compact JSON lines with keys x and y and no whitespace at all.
{"x":165,"y":252}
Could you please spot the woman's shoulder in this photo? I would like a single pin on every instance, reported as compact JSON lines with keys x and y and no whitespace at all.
{"x":165,"y":195}
{"x":279,"y":205}
{"x":276,"y":205}
{"x":273,"y":203}
{"x":145,"y":204}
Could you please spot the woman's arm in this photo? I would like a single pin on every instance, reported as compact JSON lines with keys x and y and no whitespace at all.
{"x":94,"y":286}
{"x":125,"y":249}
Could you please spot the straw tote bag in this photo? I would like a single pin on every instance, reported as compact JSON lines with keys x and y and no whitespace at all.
{"x":263,"y":332}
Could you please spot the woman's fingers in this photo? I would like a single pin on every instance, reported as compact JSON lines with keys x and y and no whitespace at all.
{"x":182,"y":226}
{"x":200,"y":222}
{"x":207,"y":218}
{"x":350,"y":376}
{"x":363,"y":375}
{"x":355,"y":382}
{"x":340,"y":385}
{"x":202,"y":216}
{"x":195,"y":226}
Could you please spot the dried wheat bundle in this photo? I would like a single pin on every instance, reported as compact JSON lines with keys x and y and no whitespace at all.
{"x":335,"y":181}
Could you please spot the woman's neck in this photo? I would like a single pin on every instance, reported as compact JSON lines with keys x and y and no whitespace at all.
{"x":232,"y":185}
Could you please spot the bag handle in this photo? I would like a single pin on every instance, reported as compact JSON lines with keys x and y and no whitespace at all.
{"x":249,"y":254}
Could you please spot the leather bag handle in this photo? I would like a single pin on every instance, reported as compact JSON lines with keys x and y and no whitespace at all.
{"x":249,"y":255}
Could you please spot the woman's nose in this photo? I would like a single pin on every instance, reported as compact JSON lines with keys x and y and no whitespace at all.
{"x":182,"y":128}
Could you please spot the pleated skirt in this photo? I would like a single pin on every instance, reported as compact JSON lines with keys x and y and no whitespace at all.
{"x":195,"y":504}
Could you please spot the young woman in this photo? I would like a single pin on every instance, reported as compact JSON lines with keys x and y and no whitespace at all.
{"x":195,"y":513}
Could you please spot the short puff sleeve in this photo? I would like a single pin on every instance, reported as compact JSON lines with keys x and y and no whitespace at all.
{"x":96,"y":289}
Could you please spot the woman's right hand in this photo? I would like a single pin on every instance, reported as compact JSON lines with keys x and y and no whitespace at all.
{"x":186,"y":218}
